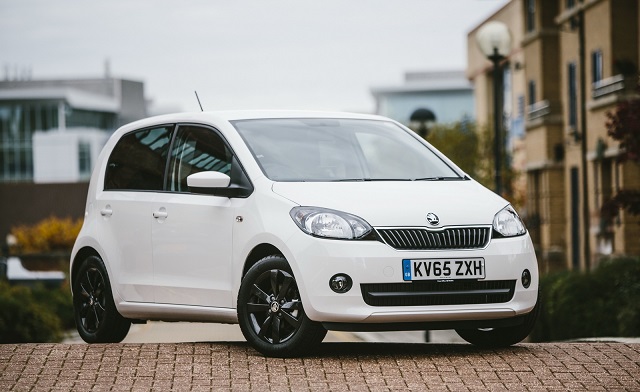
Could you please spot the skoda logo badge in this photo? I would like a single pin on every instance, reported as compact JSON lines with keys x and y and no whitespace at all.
{"x":433,"y":219}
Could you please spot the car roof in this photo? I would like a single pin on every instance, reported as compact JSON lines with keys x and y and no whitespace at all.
{"x":232,"y":115}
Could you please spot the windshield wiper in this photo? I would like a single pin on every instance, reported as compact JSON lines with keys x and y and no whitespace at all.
{"x":371,"y":179}
{"x":442,"y":178}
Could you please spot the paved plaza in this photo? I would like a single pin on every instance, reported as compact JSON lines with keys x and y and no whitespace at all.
{"x":336,"y":366}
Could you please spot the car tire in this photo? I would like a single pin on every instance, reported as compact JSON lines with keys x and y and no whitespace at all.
{"x":97,"y":319}
{"x":504,"y":336}
{"x":270,"y":311}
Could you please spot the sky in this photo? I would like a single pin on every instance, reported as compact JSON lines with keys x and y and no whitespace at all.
{"x":242,"y":54}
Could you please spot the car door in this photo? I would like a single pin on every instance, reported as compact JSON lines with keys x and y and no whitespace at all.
{"x":191,"y":233}
{"x":134,"y":175}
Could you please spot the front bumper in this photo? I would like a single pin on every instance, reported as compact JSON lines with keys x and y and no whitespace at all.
{"x":314,"y":261}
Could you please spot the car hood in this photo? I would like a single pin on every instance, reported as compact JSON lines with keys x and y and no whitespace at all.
{"x":400,"y":203}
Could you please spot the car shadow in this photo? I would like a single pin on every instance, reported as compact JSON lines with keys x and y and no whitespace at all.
{"x":359,"y":349}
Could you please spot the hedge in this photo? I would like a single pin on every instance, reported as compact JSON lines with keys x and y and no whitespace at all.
{"x":34,"y":314}
{"x":602,"y":303}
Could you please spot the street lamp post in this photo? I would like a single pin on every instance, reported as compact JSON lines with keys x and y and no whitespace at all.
{"x":494,"y":41}
{"x":421,"y":121}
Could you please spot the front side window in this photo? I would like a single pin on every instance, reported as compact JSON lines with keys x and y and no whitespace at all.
{"x":196,"y":149}
{"x":138,"y":160}
{"x":317,"y":149}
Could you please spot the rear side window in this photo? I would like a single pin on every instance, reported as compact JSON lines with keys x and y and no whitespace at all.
{"x":138,"y":160}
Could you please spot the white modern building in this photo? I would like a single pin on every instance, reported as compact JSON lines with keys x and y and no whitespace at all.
{"x":51,"y":131}
{"x":446,"y":94}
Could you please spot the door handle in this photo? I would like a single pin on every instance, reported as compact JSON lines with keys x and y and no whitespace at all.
{"x":106,"y":211}
{"x":161,"y":213}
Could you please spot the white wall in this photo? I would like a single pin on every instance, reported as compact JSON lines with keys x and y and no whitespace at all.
{"x":55,"y":153}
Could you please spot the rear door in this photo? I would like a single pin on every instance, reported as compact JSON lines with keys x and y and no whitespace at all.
{"x":133,"y":178}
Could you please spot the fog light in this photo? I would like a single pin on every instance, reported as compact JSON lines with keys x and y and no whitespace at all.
{"x":526,"y":279}
{"x":340,"y":283}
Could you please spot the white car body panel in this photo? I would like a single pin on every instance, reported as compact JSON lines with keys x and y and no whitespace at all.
{"x":192,"y":249}
{"x":387,"y":203}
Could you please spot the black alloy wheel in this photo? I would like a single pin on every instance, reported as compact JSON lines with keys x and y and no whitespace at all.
{"x":97,"y":319}
{"x":270,"y":310}
{"x":92,"y":300}
{"x":503,"y":336}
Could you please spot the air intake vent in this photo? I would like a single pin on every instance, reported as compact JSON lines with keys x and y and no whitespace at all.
{"x":423,"y":239}
{"x":431,"y":293}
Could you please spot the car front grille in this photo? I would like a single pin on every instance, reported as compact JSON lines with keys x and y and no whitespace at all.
{"x":426,"y":293}
{"x":424,"y":239}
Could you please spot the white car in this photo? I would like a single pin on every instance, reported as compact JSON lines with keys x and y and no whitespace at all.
{"x":292,"y":224}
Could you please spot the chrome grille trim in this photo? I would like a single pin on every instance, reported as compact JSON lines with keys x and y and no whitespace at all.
{"x":427,"y":239}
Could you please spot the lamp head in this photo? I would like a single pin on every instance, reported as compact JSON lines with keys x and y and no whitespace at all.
{"x":493,"y":38}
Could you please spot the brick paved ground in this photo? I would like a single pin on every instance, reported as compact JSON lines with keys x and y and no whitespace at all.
{"x":336,"y":366}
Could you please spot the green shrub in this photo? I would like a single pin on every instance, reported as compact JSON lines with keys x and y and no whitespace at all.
{"x":23,"y":319}
{"x":59,"y":301}
{"x":33,"y":315}
{"x":605,"y":302}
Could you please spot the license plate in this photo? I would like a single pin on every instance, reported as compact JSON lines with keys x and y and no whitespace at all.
{"x":437,"y":269}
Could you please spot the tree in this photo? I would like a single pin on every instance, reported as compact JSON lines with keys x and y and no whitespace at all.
{"x":472,"y":150}
{"x":623,"y":125}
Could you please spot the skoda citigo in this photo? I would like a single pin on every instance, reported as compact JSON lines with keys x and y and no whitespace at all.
{"x":292,"y":224}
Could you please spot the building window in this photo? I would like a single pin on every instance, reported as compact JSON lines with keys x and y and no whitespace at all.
{"x":530,"y":18}
{"x":531,"y":92}
{"x":596,"y":66}
{"x":573,"y":95}
{"x":84,"y":159}
{"x":570,"y":4}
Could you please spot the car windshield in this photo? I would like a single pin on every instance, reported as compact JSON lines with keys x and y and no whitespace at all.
{"x":321,"y":149}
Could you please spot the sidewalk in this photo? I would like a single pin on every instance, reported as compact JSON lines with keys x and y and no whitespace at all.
{"x":235,"y":366}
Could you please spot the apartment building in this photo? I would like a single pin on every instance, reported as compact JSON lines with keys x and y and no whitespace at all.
{"x":571,"y":63}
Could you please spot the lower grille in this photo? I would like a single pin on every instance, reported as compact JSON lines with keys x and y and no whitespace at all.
{"x":425,"y":293}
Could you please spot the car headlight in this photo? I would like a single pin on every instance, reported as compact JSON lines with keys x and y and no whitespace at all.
{"x":323,"y":222}
{"x":507,"y":223}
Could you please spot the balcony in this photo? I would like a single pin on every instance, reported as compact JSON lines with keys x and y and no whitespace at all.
{"x":543,"y":113}
{"x":607,"y":86}
{"x":538,"y":110}
{"x":610,"y":90}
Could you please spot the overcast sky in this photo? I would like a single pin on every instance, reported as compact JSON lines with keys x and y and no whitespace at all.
{"x":275,"y":54}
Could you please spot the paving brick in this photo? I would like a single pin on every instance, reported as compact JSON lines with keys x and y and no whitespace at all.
{"x":360,"y":367}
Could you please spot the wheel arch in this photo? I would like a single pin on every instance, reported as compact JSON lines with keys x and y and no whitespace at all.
{"x":259,"y":252}
{"x":82,"y":254}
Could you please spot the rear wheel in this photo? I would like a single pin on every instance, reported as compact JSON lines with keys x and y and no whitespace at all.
{"x":270,"y":311}
{"x":505,"y":336}
{"x":94,"y":311}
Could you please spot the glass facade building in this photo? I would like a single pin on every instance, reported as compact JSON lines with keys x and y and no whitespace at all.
{"x":27,"y":107}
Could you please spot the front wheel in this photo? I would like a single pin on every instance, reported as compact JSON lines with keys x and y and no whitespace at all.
{"x":270,"y":311}
{"x":505,"y":336}
{"x":94,"y":311}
